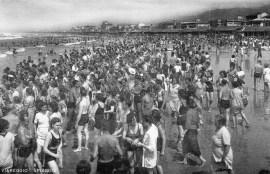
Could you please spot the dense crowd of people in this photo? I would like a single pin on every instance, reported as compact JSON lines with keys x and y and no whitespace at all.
{"x":124,"y":89}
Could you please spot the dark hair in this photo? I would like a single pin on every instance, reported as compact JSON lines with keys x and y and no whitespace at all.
{"x":156,"y":115}
{"x":21,"y":114}
{"x":54,"y":106}
{"x":148,"y":119}
{"x":17,"y":99}
{"x":200,"y":172}
{"x":190,"y":102}
{"x":235,"y":84}
{"x":83,"y":167}
{"x":232,"y":65}
{"x":83,"y":91}
{"x":221,"y":120}
{"x":62,"y":96}
{"x":4,"y":124}
{"x":40,"y":104}
{"x":29,"y":91}
{"x":99,"y":97}
{"x":264,"y":171}
{"x":130,"y":116}
{"x":224,"y":82}
{"x":54,"y":120}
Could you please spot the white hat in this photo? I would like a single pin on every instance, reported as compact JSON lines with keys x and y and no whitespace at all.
{"x":240,"y":73}
{"x":132,"y":71}
{"x":84,"y":57}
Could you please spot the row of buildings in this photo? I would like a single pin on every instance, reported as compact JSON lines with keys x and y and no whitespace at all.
{"x":255,"y":24}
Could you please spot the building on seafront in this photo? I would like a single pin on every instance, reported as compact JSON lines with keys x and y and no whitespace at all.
{"x":253,"y":24}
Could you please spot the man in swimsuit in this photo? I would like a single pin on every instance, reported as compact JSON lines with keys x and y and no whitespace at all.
{"x":105,"y":148}
{"x":26,"y":144}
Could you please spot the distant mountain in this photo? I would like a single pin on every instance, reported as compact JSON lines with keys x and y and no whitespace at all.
{"x":231,"y":13}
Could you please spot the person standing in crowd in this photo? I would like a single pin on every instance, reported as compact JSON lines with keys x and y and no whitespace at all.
{"x":160,"y":95}
{"x":222,"y":151}
{"x":52,"y":144}
{"x":147,"y":102}
{"x":222,"y":76}
{"x":71,"y":105}
{"x":99,"y":114}
{"x":26,"y":144}
{"x":56,"y":114}
{"x":42,"y":125}
{"x":149,"y":145}
{"x":161,"y":140}
{"x":83,"y":167}
{"x":191,"y":148}
{"x":29,"y":104}
{"x":209,"y":89}
{"x":181,"y":119}
{"x":237,"y":104}
{"x":258,"y":73}
{"x":7,"y":146}
{"x":174,"y":101}
{"x":225,"y":100}
{"x":105,"y":148}
{"x":63,"y":111}
{"x":133,"y":132}
{"x":266,"y":77}
{"x":53,"y":91}
{"x":110,"y":111}
{"x":122,"y":111}
{"x":82,"y":120}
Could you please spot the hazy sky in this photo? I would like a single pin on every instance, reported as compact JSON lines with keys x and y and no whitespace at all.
{"x":22,"y":15}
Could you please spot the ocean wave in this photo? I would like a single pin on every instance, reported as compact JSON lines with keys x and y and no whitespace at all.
{"x":3,"y":55}
{"x":40,"y":46}
{"x":9,"y":36}
{"x":72,"y":43}
{"x":21,"y":50}
{"x":8,"y":52}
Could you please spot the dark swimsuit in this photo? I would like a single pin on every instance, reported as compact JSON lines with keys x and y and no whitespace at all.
{"x":99,"y":117}
{"x":129,"y":146}
{"x":53,"y":146}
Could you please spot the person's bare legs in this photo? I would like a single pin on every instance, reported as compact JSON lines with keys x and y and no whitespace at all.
{"x":159,"y":169}
{"x":36,"y":156}
{"x":245,"y":118}
{"x":180,"y":137}
{"x":131,"y":157}
{"x":53,"y":166}
{"x":234,"y":121}
{"x":86,"y":131}
{"x":79,"y":134}
{"x":227,"y":114}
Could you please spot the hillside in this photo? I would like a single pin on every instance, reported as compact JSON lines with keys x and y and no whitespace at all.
{"x":231,"y":13}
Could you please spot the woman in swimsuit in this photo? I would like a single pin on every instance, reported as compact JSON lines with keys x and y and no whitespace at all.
{"x":133,"y":131}
{"x":52,"y":144}
{"x":83,"y":119}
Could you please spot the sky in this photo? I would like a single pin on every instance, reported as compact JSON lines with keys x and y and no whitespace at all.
{"x":34,"y":15}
